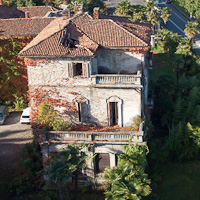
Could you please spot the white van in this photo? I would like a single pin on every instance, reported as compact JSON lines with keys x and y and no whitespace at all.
{"x":25,"y":117}
{"x":3,"y":113}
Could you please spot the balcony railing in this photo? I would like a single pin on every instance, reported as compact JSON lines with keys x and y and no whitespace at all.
{"x":107,"y":80}
{"x":97,"y":137}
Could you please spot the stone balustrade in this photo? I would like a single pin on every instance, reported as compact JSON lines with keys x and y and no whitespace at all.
{"x":117,"y":80}
{"x":119,"y":137}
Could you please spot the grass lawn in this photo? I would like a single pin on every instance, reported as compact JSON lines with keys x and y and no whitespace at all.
{"x":179,"y":181}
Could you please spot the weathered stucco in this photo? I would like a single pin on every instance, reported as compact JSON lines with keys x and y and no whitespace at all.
{"x":56,"y":80}
{"x":118,"y":61}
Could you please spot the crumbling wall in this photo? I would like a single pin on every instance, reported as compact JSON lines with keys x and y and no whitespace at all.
{"x":49,"y":80}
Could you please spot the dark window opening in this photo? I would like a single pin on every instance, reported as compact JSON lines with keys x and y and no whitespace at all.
{"x":113,"y":107}
{"x":116,"y":159}
{"x":78,"y":70}
{"x":79,"y":112}
{"x":102,"y":160}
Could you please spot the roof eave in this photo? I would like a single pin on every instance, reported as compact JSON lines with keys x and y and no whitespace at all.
{"x":53,"y":56}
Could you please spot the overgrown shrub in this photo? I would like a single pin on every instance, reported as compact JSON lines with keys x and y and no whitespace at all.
{"x":49,"y":118}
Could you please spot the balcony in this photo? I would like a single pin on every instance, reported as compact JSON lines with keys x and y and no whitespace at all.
{"x":117,"y":80}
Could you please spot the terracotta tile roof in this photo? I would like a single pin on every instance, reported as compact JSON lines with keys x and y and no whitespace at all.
{"x":37,"y":11}
{"x":19,"y":12}
{"x":110,"y":34}
{"x":94,"y":32}
{"x":10,"y":12}
{"x":23,"y":26}
{"x":52,"y":46}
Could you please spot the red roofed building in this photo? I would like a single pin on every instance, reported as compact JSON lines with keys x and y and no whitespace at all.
{"x":97,"y":66}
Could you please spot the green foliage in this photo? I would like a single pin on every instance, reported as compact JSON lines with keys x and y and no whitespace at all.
{"x":167,"y":41}
{"x":48,"y":117}
{"x":191,"y":6}
{"x":192,"y":29}
{"x":123,"y":8}
{"x":165,"y":15}
{"x":19,"y":103}
{"x":22,"y":3}
{"x":64,"y":163}
{"x":127,"y":180}
{"x":136,"y":123}
{"x":88,"y":5}
{"x":139,"y":14}
{"x":29,"y":166}
{"x":176,"y":103}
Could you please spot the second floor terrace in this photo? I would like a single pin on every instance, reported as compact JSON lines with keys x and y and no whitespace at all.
{"x":119,"y":137}
{"x":117,"y":80}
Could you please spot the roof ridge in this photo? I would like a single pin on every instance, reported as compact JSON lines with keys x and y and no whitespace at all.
{"x":32,"y":18}
{"x":32,"y":6}
{"x":128,"y":31}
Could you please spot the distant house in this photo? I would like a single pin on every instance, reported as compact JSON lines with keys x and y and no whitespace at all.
{"x":9,"y":12}
{"x":92,"y":69}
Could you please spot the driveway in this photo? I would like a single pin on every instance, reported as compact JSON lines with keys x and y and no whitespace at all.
{"x":13,"y":136}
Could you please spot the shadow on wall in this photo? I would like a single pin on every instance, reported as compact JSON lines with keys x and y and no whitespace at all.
{"x":115,"y":61}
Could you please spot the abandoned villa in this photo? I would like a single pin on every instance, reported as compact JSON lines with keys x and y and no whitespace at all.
{"x":96,"y":65}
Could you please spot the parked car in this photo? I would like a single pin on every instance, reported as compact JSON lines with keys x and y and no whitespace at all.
{"x":3,"y":113}
{"x":25,"y":117}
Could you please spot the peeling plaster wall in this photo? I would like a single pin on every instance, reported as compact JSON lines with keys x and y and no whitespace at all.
{"x":53,"y":78}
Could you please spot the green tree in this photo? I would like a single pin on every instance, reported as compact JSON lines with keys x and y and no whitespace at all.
{"x":184,"y":53}
{"x":127,"y":180}
{"x":22,"y":3}
{"x":191,"y":29}
{"x":150,"y":7}
{"x":123,"y":8}
{"x":64,"y":164}
{"x":139,"y":14}
{"x":88,"y":5}
{"x":165,"y":15}
{"x":167,"y":41}
{"x":153,"y":18}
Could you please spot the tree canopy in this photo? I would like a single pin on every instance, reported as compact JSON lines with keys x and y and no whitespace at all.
{"x":128,"y":180}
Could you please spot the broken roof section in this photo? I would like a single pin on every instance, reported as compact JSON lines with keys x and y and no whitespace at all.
{"x":81,"y":35}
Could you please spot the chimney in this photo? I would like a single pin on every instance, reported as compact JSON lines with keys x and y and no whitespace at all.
{"x":80,"y":7}
{"x":75,"y":9}
{"x":96,"y":12}
{"x":27,"y":14}
{"x":1,"y":2}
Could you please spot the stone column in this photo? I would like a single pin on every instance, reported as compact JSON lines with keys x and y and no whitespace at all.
{"x":112,"y":160}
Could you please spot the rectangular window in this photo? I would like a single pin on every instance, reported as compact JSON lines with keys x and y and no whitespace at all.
{"x":113,"y":107}
{"x":78,"y":69}
{"x":102,"y":160}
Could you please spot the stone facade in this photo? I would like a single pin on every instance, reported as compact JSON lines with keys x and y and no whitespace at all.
{"x":92,"y":70}
{"x":95,"y":92}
